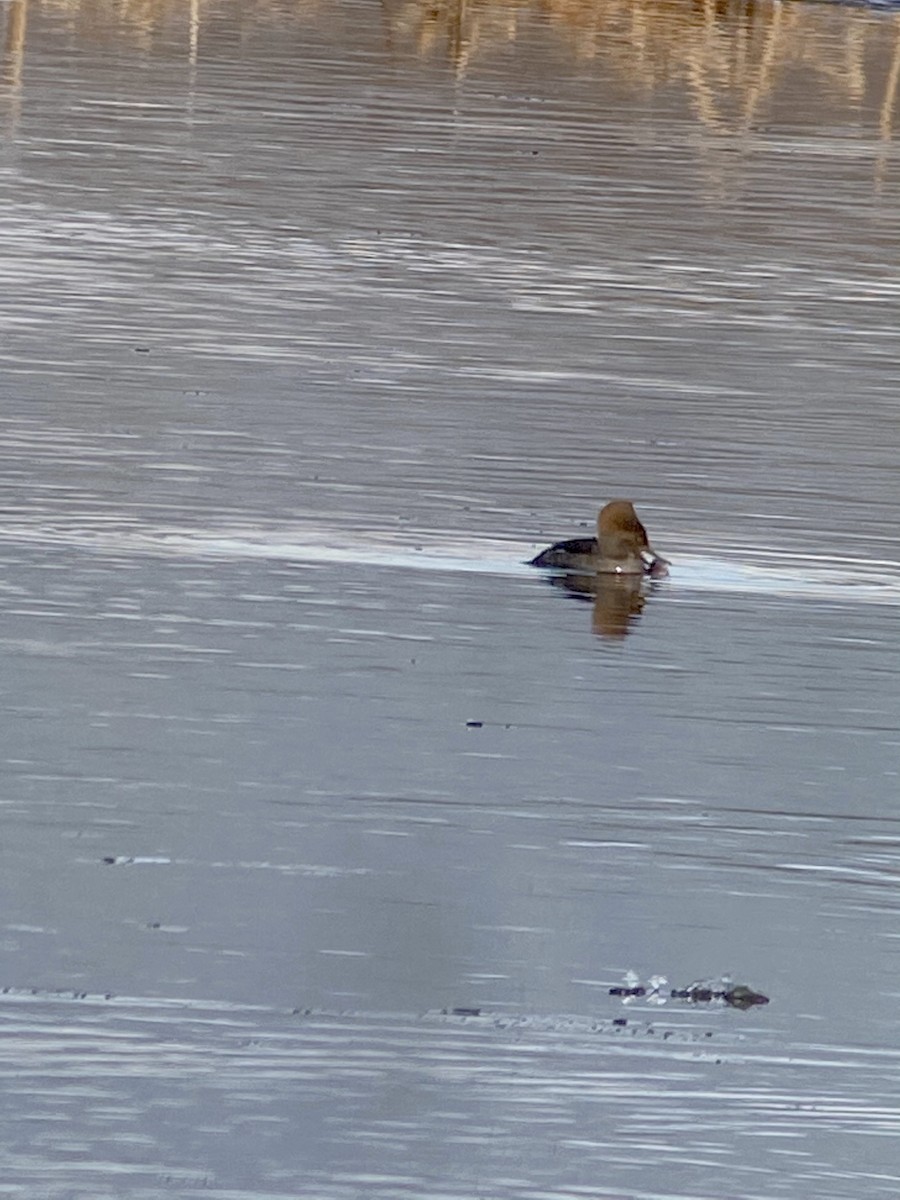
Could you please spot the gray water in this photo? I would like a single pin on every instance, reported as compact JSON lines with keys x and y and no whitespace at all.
{"x":315,"y":324}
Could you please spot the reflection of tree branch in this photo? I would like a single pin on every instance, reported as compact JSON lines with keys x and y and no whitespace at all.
{"x":763,"y":76}
{"x":14,"y":60}
{"x":855,"y":62}
{"x":459,"y":43}
{"x":704,"y":98}
{"x":886,"y":116}
{"x":886,"y":123}
{"x":195,"y":32}
{"x":14,"y":44}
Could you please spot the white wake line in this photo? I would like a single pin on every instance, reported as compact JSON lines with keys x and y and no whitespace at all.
{"x":303,"y":547}
{"x":841,"y":580}
{"x":760,"y":573}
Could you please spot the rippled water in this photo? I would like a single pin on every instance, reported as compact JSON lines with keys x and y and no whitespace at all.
{"x":315,"y":325}
{"x":428,"y":1103}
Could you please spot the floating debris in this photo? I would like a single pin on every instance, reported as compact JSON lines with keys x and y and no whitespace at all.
{"x":723,"y":991}
{"x":127,"y":860}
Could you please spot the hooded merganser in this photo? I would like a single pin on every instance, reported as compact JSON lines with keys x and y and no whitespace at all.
{"x":620,"y":547}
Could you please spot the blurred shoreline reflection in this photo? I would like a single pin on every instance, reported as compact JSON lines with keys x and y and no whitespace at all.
{"x":736,"y":64}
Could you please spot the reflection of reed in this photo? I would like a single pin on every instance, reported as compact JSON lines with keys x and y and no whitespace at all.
{"x":138,"y":20}
{"x":458,"y":28}
{"x":729,"y":54}
{"x":888,"y":105}
{"x":14,"y":44}
{"x":11,"y":70}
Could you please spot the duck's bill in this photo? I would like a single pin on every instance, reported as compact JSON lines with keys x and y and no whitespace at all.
{"x":653,"y":564}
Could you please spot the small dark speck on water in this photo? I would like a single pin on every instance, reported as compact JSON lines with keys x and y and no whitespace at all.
{"x":142,"y":349}
{"x":474,"y":724}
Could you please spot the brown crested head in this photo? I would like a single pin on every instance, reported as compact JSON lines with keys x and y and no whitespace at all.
{"x":618,"y":524}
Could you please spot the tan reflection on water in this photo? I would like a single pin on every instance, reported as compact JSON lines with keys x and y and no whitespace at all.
{"x":728,"y":53}
{"x":14,"y":43}
{"x":727,"y":58}
{"x":617,"y":600}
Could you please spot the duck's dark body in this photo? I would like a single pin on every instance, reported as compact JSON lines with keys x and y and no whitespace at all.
{"x":563,"y":554}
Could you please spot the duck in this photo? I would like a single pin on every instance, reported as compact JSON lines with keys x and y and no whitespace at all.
{"x":621,"y":547}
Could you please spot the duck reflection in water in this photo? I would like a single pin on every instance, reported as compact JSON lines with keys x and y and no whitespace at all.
{"x":610,"y":568}
{"x":618,"y":600}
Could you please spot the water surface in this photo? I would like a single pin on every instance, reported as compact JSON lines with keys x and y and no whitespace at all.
{"x":315,"y":325}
